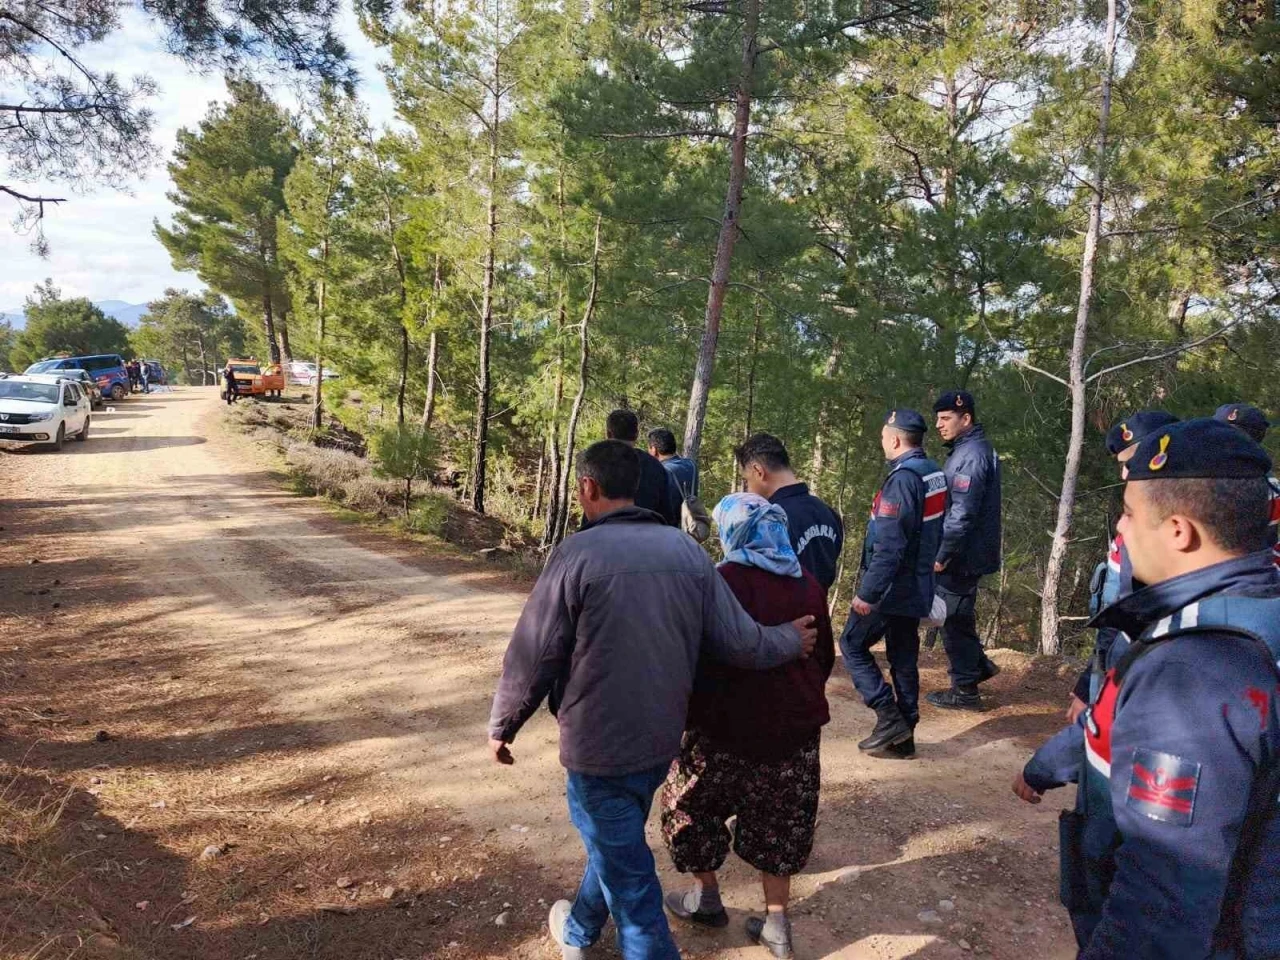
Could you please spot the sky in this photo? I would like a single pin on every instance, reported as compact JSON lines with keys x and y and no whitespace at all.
{"x":101,"y":243}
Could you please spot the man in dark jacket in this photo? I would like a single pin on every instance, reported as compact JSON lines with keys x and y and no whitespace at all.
{"x":612,"y":634}
{"x":1174,"y":850}
{"x":1254,"y":424}
{"x":897,"y":584}
{"x":970,"y":546}
{"x":817,"y":533}
{"x":657,"y":491}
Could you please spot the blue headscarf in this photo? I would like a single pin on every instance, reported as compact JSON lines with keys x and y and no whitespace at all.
{"x":754,"y":533}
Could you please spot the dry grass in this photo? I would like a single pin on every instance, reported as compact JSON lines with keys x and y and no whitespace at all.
{"x":316,"y":468}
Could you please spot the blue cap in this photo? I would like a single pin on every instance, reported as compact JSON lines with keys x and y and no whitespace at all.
{"x":1134,"y":428}
{"x":961,"y":401}
{"x":906,"y":419}
{"x":1244,"y":417}
{"x":1202,"y":448}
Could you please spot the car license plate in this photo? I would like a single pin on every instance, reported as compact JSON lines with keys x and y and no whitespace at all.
{"x":4,"y":429}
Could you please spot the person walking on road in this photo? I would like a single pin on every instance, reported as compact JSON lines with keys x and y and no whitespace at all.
{"x":657,"y":491}
{"x":817,"y":533}
{"x":611,"y":636}
{"x":970,"y":546}
{"x":897,"y":586}
{"x":750,"y":748}
{"x":1173,"y":852}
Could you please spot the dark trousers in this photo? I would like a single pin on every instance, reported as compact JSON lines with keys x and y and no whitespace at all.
{"x":960,"y":632}
{"x":620,"y":879}
{"x":902,"y":650}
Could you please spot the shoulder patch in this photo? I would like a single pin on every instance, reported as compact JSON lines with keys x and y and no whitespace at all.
{"x":960,"y":483}
{"x":889,"y":508}
{"x":1163,"y":787}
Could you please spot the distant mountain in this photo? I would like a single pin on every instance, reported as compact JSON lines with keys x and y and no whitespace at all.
{"x":127,"y":313}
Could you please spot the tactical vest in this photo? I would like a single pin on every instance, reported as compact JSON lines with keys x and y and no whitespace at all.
{"x":935,"y":506}
{"x":1089,"y":836}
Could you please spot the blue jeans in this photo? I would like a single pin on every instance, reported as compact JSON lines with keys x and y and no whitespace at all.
{"x":902,"y":650}
{"x":620,"y":878}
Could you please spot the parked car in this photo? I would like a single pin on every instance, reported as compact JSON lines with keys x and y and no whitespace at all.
{"x":43,"y":409}
{"x":107,"y":369}
{"x":157,"y":375}
{"x":87,"y":384}
{"x":304,"y":372}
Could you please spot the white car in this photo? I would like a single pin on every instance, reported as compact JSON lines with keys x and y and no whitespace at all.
{"x":43,"y":409}
{"x":304,"y":372}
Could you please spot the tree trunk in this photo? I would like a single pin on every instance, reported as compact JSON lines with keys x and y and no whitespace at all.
{"x":571,"y":433}
{"x":1050,"y":641}
{"x":269,"y":320}
{"x":819,"y":439}
{"x":317,"y":404}
{"x":537,"y":482}
{"x":557,"y":397}
{"x":282,"y":328}
{"x":429,"y":408}
{"x":481,"y":452}
{"x":204,"y":363}
{"x":186,"y":362}
{"x":701,"y":389}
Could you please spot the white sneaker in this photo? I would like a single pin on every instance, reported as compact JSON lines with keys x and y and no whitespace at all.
{"x":555,"y":923}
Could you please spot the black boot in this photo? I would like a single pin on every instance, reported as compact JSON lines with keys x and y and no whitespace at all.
{"x":957,"y":698}
{"x":891,"y":727}
{"x":989,"y":669}
{"x":902,"y":751}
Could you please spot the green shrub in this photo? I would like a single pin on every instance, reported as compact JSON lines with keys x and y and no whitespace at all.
{"x":428,"y":515}
{"x":404,"y":453}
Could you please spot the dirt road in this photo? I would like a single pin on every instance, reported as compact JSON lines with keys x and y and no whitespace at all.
{"x":267,"y":641}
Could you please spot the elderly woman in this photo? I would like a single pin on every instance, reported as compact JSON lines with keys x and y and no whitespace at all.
{"x":750,"y":747}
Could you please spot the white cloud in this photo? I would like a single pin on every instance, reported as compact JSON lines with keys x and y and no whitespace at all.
{"x":101,"y":242}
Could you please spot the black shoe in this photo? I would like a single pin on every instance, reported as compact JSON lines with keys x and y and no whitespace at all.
{"x":678,"y":906}
{"x":956,"y":699}
{"x":989,"y":669}
{"x":891,"y":727}
{"x":779,"y":948}
{"x":901,"y":751}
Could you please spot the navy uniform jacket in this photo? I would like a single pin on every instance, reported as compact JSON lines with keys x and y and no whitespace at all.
{"x":817,"y":535}
{"x":902,"y":538}
{"x":1167,"y":857}
{"x":971,"y":531}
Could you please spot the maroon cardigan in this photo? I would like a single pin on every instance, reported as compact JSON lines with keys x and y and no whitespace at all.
{"x":767,"y":714}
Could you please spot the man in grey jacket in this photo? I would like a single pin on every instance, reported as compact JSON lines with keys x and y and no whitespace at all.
{"x":611,"y":635}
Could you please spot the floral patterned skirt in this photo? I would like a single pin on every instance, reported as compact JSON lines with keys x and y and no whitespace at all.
{"x":775,"y":804}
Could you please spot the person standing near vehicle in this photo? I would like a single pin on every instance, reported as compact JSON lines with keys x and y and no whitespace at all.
{"x":144,"y":376}
{"x":619,"y":684}
{"x":970,"y":546}
{"x":897,"y":585}
{"x":817,"y":533}
{"x":1174,"y":851}
{"x":229,"y":386}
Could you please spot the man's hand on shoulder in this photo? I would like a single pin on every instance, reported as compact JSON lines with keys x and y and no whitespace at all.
{"x":805,"y":626}
{"x":501,"y":753}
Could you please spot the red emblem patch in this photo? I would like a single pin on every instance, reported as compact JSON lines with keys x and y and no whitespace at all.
{"x":961,"y":483}
{"x":1163,"y":787}
{"x":889,"y":509}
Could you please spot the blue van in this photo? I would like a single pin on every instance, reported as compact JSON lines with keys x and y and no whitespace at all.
{"x":107,"y":369}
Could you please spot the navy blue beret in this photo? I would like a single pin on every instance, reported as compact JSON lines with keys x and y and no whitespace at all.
{"x":1201,"y":448}
{"x":1249,"y":419}
{"x":906,"y":419}
{"x":961,"y":401}
{"x":1133,"y":428}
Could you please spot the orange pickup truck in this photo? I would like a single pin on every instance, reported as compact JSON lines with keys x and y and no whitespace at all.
{"x":254,"y":381}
